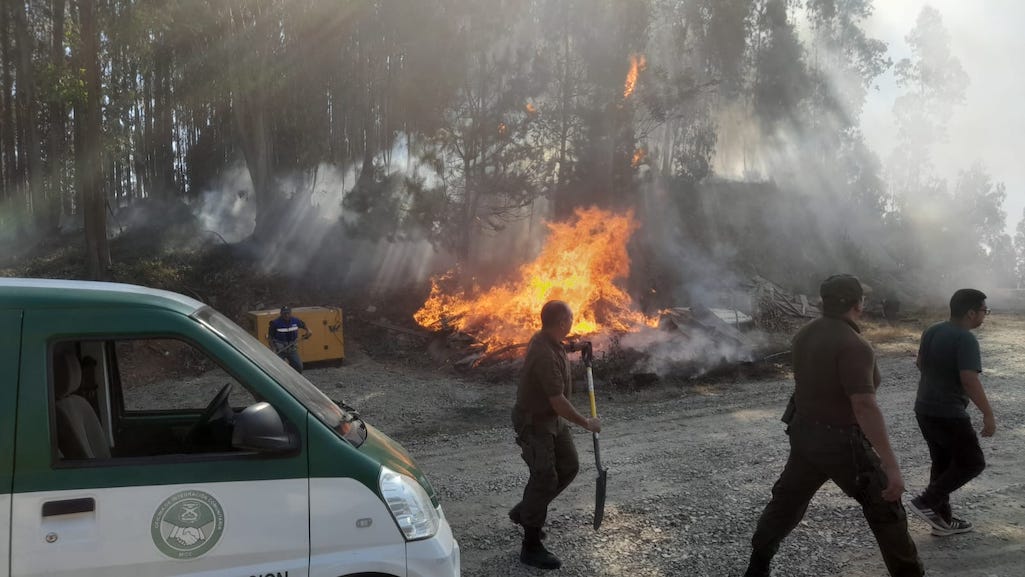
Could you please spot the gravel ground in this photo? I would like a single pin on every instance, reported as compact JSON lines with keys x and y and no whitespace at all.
{"x":691,"y":467}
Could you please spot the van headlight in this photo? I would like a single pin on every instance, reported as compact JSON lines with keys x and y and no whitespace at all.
{"x":409,"y":505}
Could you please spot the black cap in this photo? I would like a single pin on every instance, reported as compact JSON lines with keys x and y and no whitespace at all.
{"x":285,"y":309}
{"x":844,"y":288}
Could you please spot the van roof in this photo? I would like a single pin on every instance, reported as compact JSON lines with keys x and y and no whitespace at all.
{"x":17,"y":293}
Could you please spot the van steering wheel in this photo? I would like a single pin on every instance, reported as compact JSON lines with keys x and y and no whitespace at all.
{"x":216,"y":407}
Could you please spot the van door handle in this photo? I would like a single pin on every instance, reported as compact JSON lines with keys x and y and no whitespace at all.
{"x":68,"y":506}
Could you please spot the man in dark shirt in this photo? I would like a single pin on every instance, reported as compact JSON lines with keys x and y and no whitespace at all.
{"x":837,"y":433}
{"x":539,"y":418}
{"x":950,"y":363}
{"x":284,"y":337}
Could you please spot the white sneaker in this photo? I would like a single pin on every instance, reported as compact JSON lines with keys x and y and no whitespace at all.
{"x":926,"y":514}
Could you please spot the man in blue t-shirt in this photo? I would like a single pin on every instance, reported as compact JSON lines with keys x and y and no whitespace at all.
{"x":950,"y":363}
{"x":284,"y":337}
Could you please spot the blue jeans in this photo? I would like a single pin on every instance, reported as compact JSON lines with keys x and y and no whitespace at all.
{"x":289,"y":352}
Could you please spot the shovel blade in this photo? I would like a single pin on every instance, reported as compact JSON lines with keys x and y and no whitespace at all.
{"x":599,"y":498}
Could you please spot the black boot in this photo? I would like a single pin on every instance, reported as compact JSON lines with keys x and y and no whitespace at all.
{"x":534,"y":553}
{"x":758,"y":566}
{"x":514,"y":516}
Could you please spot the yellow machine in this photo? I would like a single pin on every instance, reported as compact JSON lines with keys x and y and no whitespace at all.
{"x":325,"y":344}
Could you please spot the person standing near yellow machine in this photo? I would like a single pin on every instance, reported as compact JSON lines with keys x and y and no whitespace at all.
{"x":284,"y":337}
{"x":539,"y":419}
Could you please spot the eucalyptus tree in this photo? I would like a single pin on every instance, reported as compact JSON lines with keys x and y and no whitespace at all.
{"x":89,"y":157}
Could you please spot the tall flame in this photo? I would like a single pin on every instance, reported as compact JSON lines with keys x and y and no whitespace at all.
{"x":579,"y":264}
{"x":637,"y":64}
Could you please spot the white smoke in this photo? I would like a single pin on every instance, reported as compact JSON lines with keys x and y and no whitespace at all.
{"x":312,"y":238}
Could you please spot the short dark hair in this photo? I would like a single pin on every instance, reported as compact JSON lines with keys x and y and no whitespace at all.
{"x":965,"y":300}
{"x":553,"y":312}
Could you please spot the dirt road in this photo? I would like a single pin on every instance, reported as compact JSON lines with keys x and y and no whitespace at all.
{"x":690,"y":470}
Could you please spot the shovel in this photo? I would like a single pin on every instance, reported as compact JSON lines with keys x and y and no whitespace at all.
{"x":587,"y":354}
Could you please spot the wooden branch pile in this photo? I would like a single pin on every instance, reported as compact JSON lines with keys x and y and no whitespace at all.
{"x":461,"y":350}
{"x":777,"y":310}
{"x":694,"y":321}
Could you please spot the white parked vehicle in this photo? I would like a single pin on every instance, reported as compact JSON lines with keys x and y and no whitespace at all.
{"x":142,"y":433}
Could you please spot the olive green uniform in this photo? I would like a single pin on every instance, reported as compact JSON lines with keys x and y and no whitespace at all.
{"x":544,"y":438}
{"x":831,"y":363}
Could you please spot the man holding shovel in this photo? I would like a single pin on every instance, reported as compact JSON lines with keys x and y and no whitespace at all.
{"x":539,"y":418}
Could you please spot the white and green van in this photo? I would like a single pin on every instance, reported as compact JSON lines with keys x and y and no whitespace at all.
{"x":142,"y":433}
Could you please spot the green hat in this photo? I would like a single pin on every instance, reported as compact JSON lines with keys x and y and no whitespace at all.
{"x":843,"y":288}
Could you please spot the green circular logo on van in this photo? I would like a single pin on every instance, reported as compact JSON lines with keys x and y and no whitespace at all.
{"x":187,"y":524}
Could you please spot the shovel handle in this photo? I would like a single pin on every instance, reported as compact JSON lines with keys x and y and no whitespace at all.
{"x":599,"y":498}
{"x":587,"y":355}
{"x":590,"y":391}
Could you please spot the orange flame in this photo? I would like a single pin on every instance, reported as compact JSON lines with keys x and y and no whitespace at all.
{"x":530,"y":108}
{"x":580,"y":263}
{"x":637,"y":65}
{"x":639,"y":155}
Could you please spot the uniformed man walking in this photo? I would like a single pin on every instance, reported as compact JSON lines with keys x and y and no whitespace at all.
{"x":837,"y":433}
{"x":539,"y":419}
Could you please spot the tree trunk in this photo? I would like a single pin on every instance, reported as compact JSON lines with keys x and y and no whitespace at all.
{"x":562,"y":203}
{"x":469,"y":212}
{"x":58,"y":113}
{"x":7,"y":143}
{"x":255,"y":140}
{"x":255,"y":40}
{"x":28,"y":145}
{"x":88,"y":150}
{"x":163,"y":150}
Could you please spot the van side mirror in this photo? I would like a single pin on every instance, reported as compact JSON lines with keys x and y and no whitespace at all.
{"x":259,"y":428}
{"x":346,"y":407}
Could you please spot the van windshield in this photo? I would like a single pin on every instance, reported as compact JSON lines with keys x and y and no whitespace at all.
{"x":322,"y":407}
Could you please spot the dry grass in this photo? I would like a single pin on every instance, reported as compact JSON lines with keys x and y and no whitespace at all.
{"x":900,"y":338}
{"x":888,"y":333}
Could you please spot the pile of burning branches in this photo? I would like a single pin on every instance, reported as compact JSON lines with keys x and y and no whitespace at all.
{"x":582,"y":263}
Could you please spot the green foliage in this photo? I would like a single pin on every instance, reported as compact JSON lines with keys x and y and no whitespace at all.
{"x":459,"y":117}
{"x":935,"y":83}
{"x":781,"y":80}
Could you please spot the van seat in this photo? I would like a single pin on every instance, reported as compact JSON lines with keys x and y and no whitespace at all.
{"x":79,"y":432}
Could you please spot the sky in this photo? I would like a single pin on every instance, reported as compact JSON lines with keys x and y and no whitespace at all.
{"x":986,"y":35}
